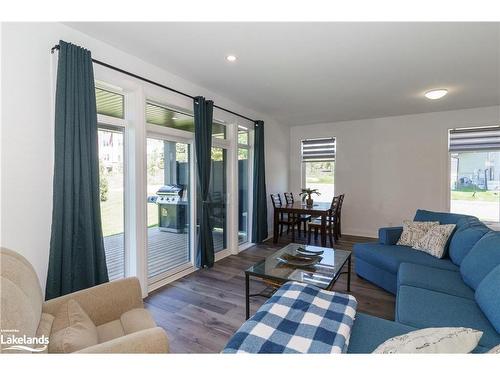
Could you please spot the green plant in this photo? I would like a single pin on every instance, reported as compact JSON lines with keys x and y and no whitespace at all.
{"x":307,"y":193}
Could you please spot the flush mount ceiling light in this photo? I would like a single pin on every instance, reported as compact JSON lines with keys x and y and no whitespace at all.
{"x":436,"y":94}
{"x":231,"y":58}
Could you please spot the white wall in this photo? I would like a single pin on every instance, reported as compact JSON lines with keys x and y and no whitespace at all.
{"x":27,"y":130}
{"x":389,"y":167}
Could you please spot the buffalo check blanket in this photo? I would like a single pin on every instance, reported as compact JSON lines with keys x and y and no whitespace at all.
{"x":298,"y":318}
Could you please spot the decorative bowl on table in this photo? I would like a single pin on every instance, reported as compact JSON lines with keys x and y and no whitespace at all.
{"x":300,"y":260}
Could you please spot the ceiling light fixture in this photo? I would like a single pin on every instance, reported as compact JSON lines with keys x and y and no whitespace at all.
{"x":175,"y":118}
{"x":436,"y":94}
{"x":231,"y":58}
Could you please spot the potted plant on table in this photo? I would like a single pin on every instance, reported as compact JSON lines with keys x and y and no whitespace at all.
{"x":306,"y":195}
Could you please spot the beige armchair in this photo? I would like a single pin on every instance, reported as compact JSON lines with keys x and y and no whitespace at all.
{"x":115,"y":308}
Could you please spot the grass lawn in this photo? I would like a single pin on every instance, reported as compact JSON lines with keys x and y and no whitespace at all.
{"x":480,"y":196}
{"x":112,"y":213}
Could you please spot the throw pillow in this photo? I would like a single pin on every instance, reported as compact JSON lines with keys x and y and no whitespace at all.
{"x":433,"y":340}
{"x":495,"y":350}
{"x":73,"y":330}
{"x":414,"y":230}
{"x":434,"y":241}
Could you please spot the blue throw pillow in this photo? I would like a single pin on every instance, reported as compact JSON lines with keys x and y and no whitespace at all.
{"x":483,"y":257}
{"x":468,"y":232}
{"x":488,"y":297}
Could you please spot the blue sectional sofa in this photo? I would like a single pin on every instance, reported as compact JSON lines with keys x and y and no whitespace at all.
{"x":460,"y":290}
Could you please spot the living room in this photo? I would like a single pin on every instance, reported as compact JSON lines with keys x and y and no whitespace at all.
{"x":251,"y":187}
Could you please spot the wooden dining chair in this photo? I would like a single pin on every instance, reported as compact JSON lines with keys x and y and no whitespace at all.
{"x":331,"y":224}
{"x":300,"y":219}
{"x":339,"y":216}
{"x":284,"y":219}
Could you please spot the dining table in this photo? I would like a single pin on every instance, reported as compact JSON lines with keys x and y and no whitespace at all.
{"x":320,"y":209}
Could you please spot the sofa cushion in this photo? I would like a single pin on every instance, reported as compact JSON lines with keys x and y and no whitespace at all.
{"x":442,"y":217}
{"x":422,"y":308}
{"x":77,"y":332}
{"x":445,"y":281}
{"x":389,"y":257}
{"x":368,"y":332}
{"x":481,"y":259}
{"x":488,"y":297}
{"x":468,"y":232}
{"x":136,"y":320}
{"x":131,"y":321}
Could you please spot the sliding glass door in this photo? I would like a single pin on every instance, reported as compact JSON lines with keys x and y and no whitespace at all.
{"x":218,"y":197}
{"x":168,"y":215}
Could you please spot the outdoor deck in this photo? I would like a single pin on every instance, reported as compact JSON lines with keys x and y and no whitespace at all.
{"x":165,"y":251}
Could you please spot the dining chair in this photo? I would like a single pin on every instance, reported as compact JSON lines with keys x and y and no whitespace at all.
{"x":331,"y":224}
{"x":301,"y":218}
{"x":284,"y":219}
{"x":339,"y":218}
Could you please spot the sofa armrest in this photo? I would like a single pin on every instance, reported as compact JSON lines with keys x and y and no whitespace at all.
{"x":152,"y":340}
{"x":103,"y":303}
{"x":389,"y":235}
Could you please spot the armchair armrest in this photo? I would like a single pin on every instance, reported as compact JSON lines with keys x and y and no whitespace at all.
{"x":389,"y":235}
{"x":152,"y":340}
{"x":103,"y":303}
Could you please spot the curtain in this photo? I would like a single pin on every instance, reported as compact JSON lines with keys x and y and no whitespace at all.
{"x":203,"y":115}
{"x":77,"y":259}
{"x":259,"y":220}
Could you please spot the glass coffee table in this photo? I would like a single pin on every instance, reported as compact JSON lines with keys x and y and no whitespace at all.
{"x":275,"y":272}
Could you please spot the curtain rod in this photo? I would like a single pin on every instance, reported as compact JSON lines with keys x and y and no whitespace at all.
{"x":56,"y":48}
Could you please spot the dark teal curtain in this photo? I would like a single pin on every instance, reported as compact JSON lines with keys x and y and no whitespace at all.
{"x":203,"y":116}
{"x":259,"y":219}
{"x":77,"y":259}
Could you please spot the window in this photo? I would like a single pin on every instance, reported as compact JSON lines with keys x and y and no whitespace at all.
{"x":218,"y":197}
{"x":111,"y":193}
{"x":159,"y":115}
{"x":243,"y":184}
{"x":475,"y":172}
{"x":168,"y":189}
{"x":318,"y":165}
{"x":109,"y":103}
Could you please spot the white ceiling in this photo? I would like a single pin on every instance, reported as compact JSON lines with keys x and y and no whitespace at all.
{"x":304,"y":73}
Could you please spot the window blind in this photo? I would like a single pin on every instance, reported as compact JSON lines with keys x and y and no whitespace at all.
{"x":319,"y":149}
{"x":472,"y":139}
{"x":109,"y":103}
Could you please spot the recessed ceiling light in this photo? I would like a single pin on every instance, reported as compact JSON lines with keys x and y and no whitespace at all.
{"x":436,"y":94}
{"x":231,"y":58}
{"x":175,"y":118}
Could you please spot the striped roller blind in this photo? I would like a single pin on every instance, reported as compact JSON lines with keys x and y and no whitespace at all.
{"x":472,"y":139}
{"x":319,"y":149}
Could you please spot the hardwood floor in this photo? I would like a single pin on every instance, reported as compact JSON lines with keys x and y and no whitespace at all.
{"x":201,"y":311}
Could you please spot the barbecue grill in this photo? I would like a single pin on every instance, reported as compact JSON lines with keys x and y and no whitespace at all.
{"x":172,"y":208}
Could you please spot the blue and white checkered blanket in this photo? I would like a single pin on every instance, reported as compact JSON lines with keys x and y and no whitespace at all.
{"x":298,"y":318}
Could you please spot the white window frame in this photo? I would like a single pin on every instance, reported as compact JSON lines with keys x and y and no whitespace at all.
{"x":250,"y":147}
{"x":162,"y":133}
{"x":491,"y":224}
{"x":123,"y":125}
{"x":136,"y":131}
{"x":303,"y":168}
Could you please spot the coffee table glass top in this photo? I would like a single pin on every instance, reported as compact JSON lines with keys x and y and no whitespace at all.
{"x":321,"y":274}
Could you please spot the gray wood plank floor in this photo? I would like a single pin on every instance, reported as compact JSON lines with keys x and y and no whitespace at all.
{"x":166,"y":250}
